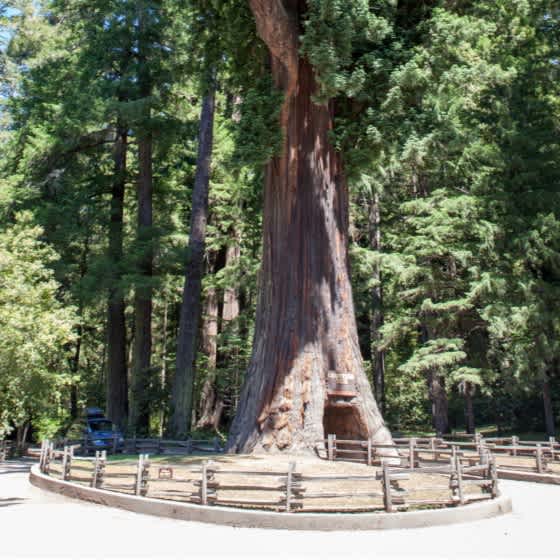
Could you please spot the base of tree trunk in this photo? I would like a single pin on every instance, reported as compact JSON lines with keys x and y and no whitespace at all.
{"x":306,"y":377}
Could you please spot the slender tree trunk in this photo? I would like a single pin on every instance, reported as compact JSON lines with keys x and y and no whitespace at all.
{"x":21,"y":437}
{"x":438,"y":397}
{"x":75,"y":369}
{"x":548,"y":409}
{"x":142,"y":348}
{"x":182,"y":396}
{"x":117,"y":383}
{"x":378,"y":355}
{"x":469,"y":410}
{"x":163,"y":366}
{"x":210,"y":348}
{"x":306,"y":376}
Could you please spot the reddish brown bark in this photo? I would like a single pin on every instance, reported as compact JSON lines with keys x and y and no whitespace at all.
{"x":117,"y":383}
{"x":306,"y":375}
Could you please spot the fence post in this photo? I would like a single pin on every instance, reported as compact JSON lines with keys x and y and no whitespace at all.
{"x":114,"y":450}
{"x":478,"y":442}
{"x":64,"y":462}
{"x":145,"y":475}
{"x":484,"y":456}
{"x":514,"y":443}
{"x":552,"y":442}
{"x":291,"y":469}
{"x":69,"y":463}
{"x":411,"y":453}
{"x":369,"y":453}
{"x":387,"y":498}
{"x":459,"y":470}
{"x":139,"y":468}
{"x":189,"y":446}
{"x":539,"y":459}
{"x":330,"y":446}
{"x":494,"y":477}
{"x":217,"y":447}
{"x":95,"y":471}
{"x":102,"y":465}
{"x":204,"y":484}
{"x":3,"y":450}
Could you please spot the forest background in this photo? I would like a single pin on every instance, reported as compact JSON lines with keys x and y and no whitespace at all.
{"x":450,"y":144}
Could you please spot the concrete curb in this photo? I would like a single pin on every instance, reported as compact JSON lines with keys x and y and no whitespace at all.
{"x":271,"y":520}
{"x":525,"y":476}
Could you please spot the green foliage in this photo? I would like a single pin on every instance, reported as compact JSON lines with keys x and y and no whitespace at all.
{"x":447,"y":116}
{"x":36,"y":329}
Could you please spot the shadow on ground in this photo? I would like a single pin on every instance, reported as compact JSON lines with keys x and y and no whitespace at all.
{"x":12,"y":467}
{"x":5,"y":502}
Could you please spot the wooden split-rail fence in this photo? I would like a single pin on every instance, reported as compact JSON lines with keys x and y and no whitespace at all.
{"x":413,"y":452}
{"x":153,"y":446}
{"x":287,"y":490}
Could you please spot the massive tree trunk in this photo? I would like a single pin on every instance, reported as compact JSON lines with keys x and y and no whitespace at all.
{"x":377,"y":320}
{"x":548,"y":410}
{"x":142,"y":348}
{"x":117,"y":384}
{"x":306,"y":377}
{"x":183,"y":386}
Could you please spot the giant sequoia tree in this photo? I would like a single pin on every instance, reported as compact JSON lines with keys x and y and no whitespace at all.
{"x":306,"y":375}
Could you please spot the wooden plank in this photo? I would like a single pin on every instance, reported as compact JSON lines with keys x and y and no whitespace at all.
{"x":342,"y":495}
{"x":249,"y":487}
{"x":223,"y":501}
{"x":355,"y":477}
{"x":350,"y":451}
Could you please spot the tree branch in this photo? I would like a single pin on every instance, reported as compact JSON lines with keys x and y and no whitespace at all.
{"x":279,"y":31}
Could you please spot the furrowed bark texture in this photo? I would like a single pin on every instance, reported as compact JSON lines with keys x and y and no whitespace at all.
{"x":306,"y":376}
{"x":117,"y":383}
{"x":142,"y":348}
{"x":183,"y":386}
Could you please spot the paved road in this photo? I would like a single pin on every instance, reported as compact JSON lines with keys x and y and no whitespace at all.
{"x":38,"y":524}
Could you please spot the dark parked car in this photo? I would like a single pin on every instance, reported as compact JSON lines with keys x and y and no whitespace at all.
{"x":96,"y":431}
